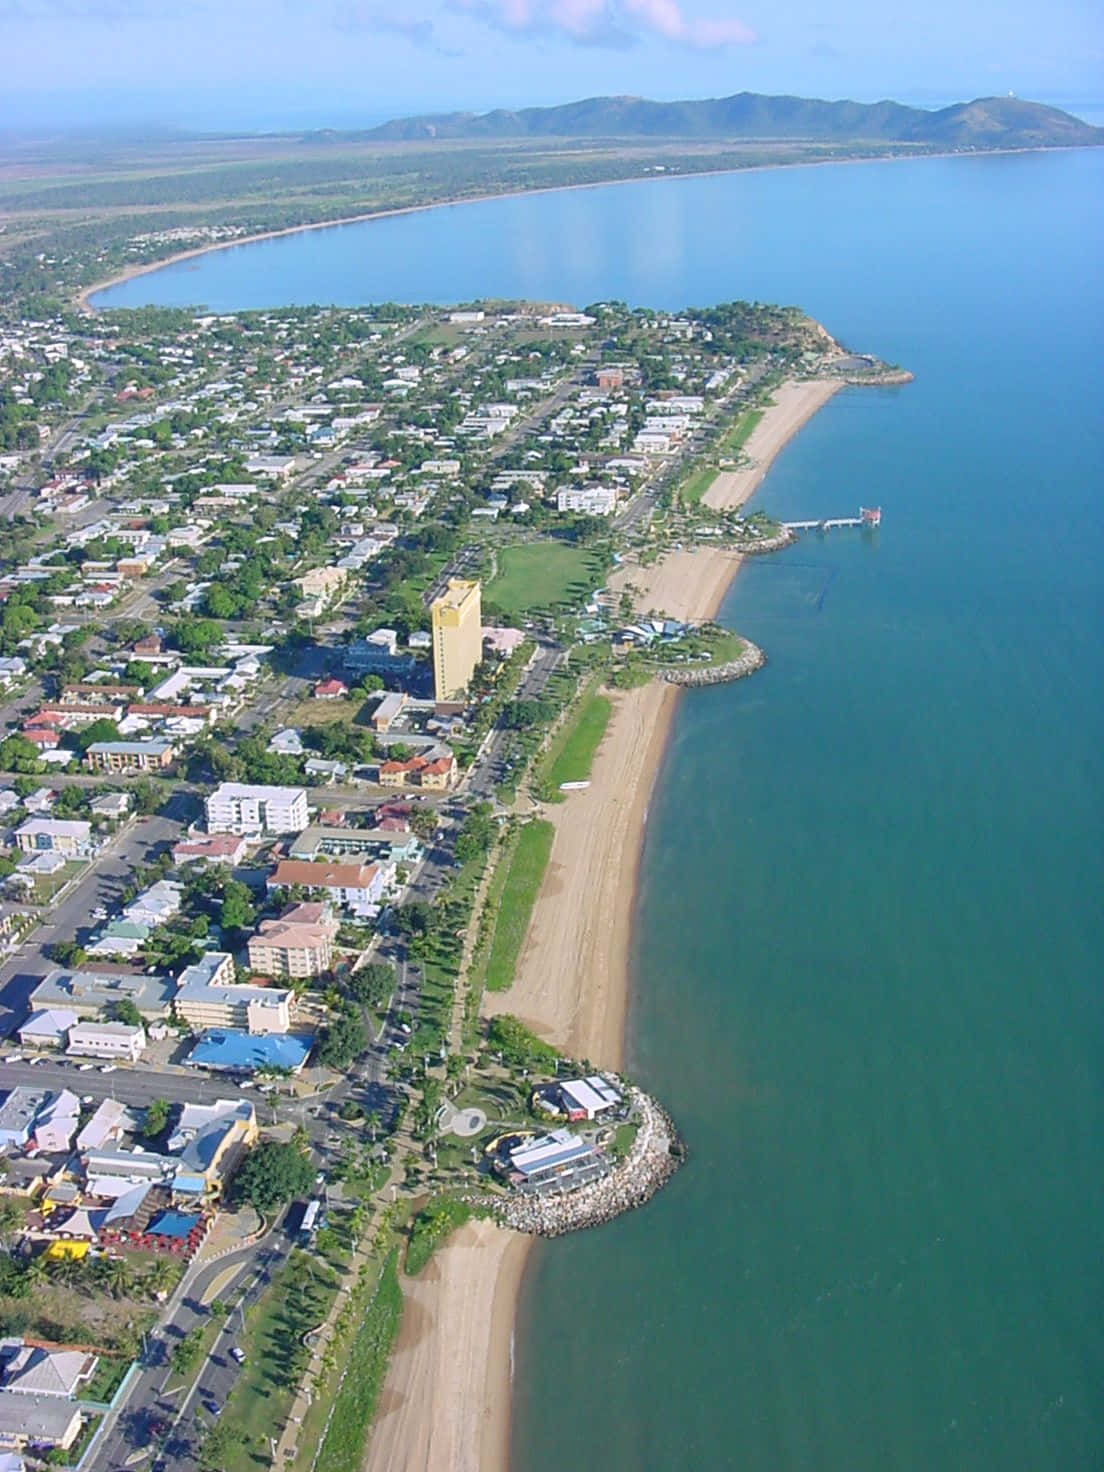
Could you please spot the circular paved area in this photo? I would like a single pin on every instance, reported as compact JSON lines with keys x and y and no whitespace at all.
{"x":462,"y":1122}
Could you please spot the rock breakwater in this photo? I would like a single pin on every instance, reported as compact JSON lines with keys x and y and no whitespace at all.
{"x":747,"y":663}
{"x":654,"y":1156}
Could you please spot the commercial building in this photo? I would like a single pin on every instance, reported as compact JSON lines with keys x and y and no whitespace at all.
{"x":113,"y":1040}
{"x":229,"y":1051}
{"x":299,"y":943}
{"x":559,"y":1156}
{"x":388,"y":711}
{"x":457,"y":639}
{"x":37,"y":1420}
{"x":129,"y":756}
{"x":236,"y":807}
{"x":90,"y":993}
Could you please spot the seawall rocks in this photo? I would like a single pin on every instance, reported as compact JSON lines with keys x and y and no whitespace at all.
{"x":654,"y":1156}
{"x":751,"y":660}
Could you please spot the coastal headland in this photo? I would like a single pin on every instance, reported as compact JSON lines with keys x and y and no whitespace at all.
{"x":446,"y":1399}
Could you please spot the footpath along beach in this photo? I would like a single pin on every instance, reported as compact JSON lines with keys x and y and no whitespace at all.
{"x":446,"y":1399}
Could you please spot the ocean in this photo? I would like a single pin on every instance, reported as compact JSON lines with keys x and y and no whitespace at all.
{"x":869,"y":929}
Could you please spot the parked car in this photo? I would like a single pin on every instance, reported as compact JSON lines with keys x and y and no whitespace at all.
{"x":107,"y":1067}
{"x":85,"y":1067}
{"x":236,"y":1354}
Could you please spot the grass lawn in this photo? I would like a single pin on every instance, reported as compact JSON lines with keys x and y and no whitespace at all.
{"x":697,"y":485}
{"x":105,"y":1381}
{"x":326,"y":712}
{"x":297,"y":1300}
{"x":571,"y":755}
{"x":543,"y":574}
{"x":523,"y":880}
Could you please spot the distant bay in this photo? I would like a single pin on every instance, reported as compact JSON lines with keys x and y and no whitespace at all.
{"x":869,"y":932}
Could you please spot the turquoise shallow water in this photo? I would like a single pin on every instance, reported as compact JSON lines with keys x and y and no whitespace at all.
{"x":869,"y":931}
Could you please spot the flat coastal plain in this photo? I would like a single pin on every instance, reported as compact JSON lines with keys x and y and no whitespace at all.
{"x":446,"y":1399}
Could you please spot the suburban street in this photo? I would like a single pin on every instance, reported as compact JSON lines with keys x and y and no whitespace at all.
{"x":100,"y":885}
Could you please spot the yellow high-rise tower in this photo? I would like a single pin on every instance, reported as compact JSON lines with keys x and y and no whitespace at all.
{"x":457,"y":639}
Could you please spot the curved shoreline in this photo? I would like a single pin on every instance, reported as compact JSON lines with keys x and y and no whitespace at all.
{"x":573,"y":987}
{"x":132,"y":273}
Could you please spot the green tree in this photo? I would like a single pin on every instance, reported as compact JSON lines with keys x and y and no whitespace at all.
{"x":343,"y":1040}
{"x":17,"y":754}
{"x":237,"y":911}
{"x":157,"y":1117}
{"x":273,"y":1174}
{"x":371,"y":985}
{"x":125,"y":1011}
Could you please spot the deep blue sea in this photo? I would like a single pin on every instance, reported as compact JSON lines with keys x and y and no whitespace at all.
{"x":868,"y":952}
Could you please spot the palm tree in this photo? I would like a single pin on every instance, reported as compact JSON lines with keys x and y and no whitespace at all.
{"x":161,"y":1276}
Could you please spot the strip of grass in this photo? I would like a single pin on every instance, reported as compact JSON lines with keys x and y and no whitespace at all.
{"x":571,"y":755}
{"x":737,"y":437}
{"x":523,"y":880}
{"x":356,"y":1401}
{"x":429,"y":1229}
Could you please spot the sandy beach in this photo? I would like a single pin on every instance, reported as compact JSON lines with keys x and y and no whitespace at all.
{"x":446,"y":1401}
{"x":793,"y":405}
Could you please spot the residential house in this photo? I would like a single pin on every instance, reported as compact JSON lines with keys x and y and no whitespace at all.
{"x":436,"y":774}
{"x":212,"y":848}
{"x":47,"y":1029}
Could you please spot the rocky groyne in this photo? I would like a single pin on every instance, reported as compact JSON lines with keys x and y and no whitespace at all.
{"x":747,"y":663}
{"x":654,"y":1156}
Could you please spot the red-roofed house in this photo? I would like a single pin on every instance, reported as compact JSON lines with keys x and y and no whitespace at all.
{"x":330,"y":690}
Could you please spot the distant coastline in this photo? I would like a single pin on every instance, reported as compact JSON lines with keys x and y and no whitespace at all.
{"x":147,"y":268}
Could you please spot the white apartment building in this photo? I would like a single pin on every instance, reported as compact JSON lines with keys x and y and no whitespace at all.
{"x":590,"y":500}
{"x":236,"y":807}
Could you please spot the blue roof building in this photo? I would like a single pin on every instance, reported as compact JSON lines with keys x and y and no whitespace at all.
{"x":232,"y":1051}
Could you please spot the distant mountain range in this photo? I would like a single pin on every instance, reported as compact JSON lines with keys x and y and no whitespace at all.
{"x":988,"y":122}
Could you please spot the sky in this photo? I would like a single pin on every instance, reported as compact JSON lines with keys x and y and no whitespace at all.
{"x":269,"y":64}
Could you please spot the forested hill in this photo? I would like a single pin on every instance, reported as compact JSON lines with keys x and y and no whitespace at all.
{"x":988,"y":122}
